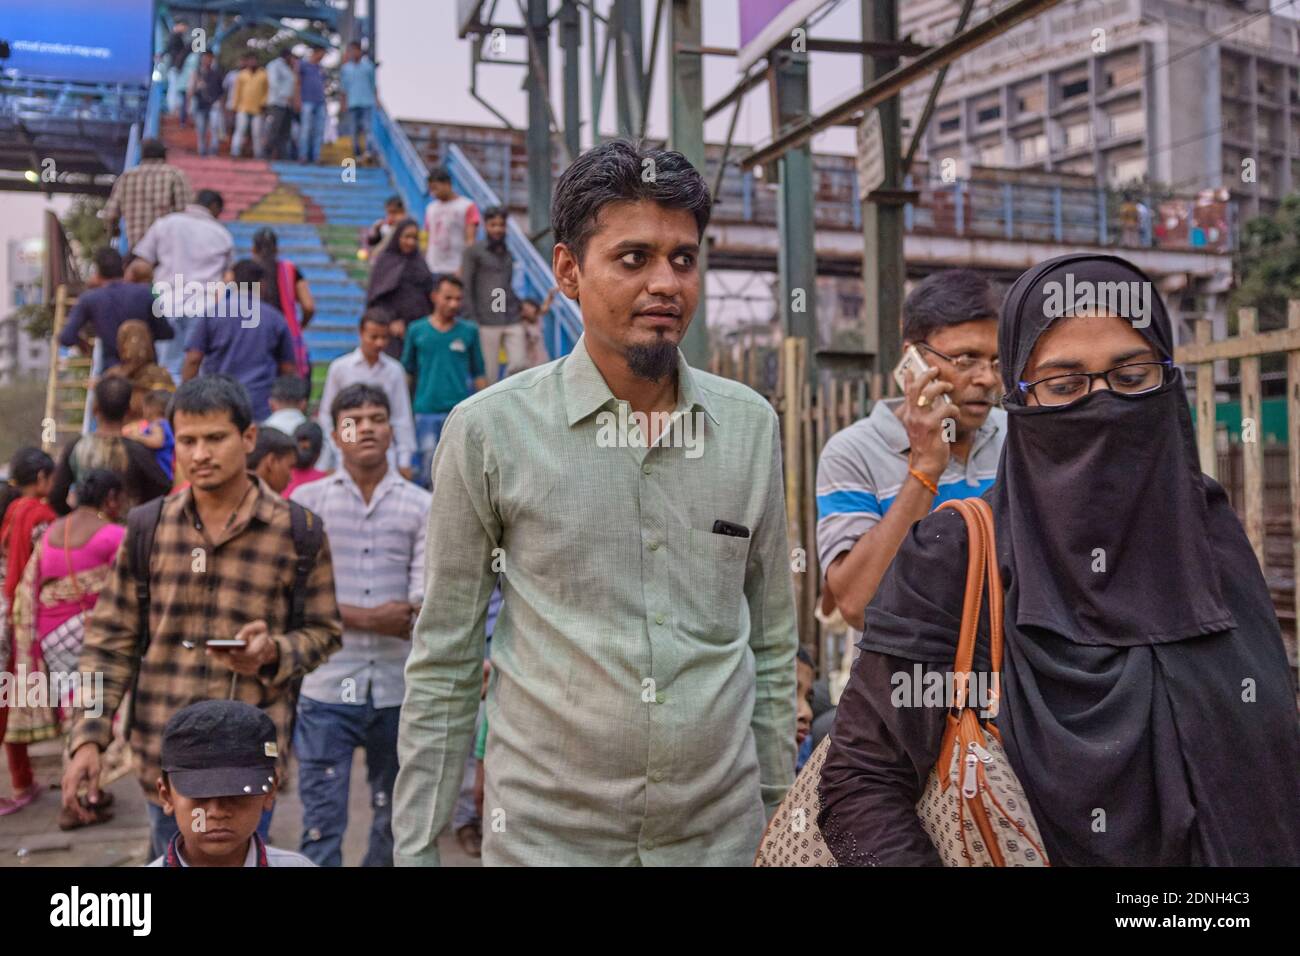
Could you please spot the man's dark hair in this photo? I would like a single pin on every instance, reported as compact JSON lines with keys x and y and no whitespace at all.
{"x":945,"y":298}
{"x":375,"y":315}
{"x":394,"y":202}
{"x":439,"y":174}
{"x":354,"y":396}
{"x":108,"y":263}
{"x":113,"y":397}
{"x":213,"y":393}
{"x":354,"y":43}
{"x":450,"y":279}
{"x":621,"y":171}
{"x":290,"y":389}
{"x":495,"y":212}
{"x":153,"y":149}
{"x":311,"y":434}
{"x":210,"y":200}
{"x":271,"y":441}
{"x":248,"y":271}
{"x":94,"y":487}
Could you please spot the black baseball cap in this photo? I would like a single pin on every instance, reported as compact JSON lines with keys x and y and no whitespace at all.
{"x":220,"y":748}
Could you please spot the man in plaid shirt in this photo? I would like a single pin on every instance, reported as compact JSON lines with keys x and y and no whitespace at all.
{"x":222,"y":567}
{"x":146,"y":192}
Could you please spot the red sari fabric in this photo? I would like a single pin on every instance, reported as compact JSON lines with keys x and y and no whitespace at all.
{"x":21,"y":520}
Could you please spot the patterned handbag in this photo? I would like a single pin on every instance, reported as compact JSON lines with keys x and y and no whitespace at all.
{"x":972,"y":807}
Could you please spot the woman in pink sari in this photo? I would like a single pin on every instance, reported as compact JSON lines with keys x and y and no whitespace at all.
{"x":59,"y":587}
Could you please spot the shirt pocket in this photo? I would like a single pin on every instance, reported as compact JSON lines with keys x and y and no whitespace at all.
{"x":715,"y":588}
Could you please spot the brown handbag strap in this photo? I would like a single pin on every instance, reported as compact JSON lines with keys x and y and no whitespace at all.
{"x":984,"y":513}
{"x":981,"y":566}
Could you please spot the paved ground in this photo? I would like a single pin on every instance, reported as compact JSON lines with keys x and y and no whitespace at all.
{"x":32,"y":837}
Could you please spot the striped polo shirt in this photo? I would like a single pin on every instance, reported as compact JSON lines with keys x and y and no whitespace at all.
{"x":863,"y":467}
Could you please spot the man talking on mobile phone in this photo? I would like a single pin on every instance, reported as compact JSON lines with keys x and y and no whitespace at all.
{"x":911,"y":454}
{"x":641,"y":708}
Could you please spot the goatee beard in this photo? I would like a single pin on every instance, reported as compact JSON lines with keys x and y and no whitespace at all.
{"x":652,"y":362}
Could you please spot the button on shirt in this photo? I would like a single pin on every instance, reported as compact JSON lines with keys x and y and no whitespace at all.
{"x":642,"y":700}
{"x":386,"y":374}
{"x":378,"y":551}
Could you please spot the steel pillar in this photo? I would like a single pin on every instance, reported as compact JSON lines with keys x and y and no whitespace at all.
{"x":625,"y":19}
{"x":796,"y":260}
{"x":539,"y":133}
{"x":686,"y":135}
{"x":570,"y":40}
{"x":883,"y":269}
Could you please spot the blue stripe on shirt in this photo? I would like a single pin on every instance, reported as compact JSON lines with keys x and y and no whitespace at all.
{"x":848,"y":502}
{"x":952,"y":491}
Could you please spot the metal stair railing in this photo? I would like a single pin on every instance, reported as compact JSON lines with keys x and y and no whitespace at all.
{"x":563,"y":323}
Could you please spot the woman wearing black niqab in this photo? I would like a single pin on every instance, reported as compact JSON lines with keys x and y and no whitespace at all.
{"x":1147,"y":705}
{"x":401,"y":283}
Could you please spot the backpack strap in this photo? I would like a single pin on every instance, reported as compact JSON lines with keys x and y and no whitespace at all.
{"x":141,"y":525}
{"x":307,"y":532}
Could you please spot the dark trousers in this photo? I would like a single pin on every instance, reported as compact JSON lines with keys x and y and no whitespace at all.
{"x":324,"y":739}
{"x":277,"y":140}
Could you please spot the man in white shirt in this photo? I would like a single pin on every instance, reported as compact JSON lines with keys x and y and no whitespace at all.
{"x":184,"y":248}
{"x":369,"y":365}
{"x":376,"y":523}
{"x":451,"y":222}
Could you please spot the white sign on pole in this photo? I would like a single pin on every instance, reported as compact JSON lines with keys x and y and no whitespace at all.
{"x":871,"y":154}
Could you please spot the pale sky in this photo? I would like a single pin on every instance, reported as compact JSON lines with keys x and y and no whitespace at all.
{"x":425,"y":70}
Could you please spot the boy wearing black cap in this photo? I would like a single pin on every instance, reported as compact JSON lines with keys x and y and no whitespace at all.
{"x":218,"y":760}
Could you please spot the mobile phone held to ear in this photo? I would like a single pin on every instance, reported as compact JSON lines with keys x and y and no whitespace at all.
{"x":912,"y":361}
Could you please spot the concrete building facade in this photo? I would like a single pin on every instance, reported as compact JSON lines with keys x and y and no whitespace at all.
{"x":1186,"y":94}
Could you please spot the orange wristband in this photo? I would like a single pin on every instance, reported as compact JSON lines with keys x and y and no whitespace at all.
{"x":929,"y":485}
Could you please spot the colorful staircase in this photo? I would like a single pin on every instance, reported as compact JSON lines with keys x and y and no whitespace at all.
{"x":317,"y":213}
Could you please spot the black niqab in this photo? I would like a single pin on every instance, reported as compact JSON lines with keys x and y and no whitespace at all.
{"x":394,"y":269}
{"x":1148,"y":709}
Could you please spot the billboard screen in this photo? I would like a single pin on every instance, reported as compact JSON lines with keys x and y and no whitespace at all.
{"x":765,"y":23}
{"x":108,"y":41}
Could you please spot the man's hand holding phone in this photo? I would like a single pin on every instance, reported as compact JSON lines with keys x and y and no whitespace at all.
{"x":257,"y":651}
{"x":923,"y":415}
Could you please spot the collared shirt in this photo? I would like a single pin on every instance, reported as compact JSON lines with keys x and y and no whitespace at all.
{"x":378,"y":550}
{"x":285,"y":421}
{"x":281,"y":80}
{"x":273,"y":854}
{"x":205,"y":582}
{"x":358,"y":82}
{"x":863,"y":468}
{"x":144,"y":193}
{"x":489,"y":295}
{"x":642,"y":699}
{"x":106,"y":308}
{"x":250,"y":91}
{"x":386,"y":374}
{"x":189,"y":246}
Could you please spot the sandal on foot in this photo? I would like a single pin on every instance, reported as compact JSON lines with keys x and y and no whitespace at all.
{"x":14,"y":804}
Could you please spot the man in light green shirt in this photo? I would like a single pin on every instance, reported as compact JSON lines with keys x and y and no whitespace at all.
{"x":642,"y":698}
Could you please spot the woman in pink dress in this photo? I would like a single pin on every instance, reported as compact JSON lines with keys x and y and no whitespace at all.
{"x":60,"y":585}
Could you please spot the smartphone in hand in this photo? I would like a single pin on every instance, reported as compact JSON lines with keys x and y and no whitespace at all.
{"x":912,"y":361}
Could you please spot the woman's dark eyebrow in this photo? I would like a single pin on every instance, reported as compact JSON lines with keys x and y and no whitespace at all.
{"x":1071,"y":365}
